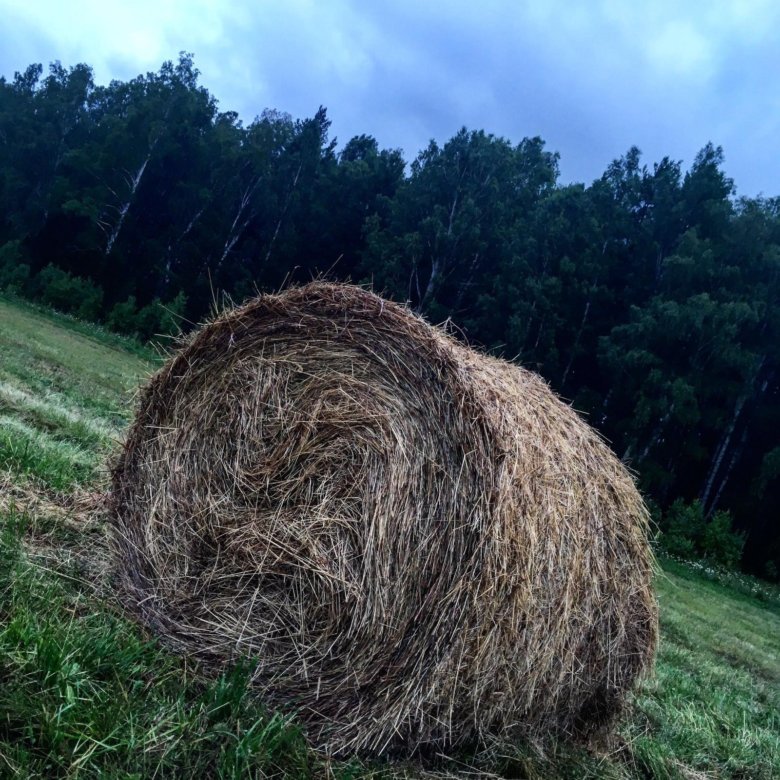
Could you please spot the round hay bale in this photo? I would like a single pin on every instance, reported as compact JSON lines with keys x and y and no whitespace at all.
{"x":419,"y":544}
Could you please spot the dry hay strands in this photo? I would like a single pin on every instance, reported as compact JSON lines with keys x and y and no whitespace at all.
{"x":420,"y":545}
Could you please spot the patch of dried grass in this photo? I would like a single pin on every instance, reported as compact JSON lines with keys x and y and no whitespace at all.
{"x":420,"y":544}
{"x":67,"y":531}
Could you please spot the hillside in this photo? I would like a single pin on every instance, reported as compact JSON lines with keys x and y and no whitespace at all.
{"x":84,"y":694}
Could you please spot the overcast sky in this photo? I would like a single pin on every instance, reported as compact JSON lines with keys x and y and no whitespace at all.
{"x":592,"y":78}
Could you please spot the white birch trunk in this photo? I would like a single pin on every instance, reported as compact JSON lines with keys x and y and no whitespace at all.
{"x":125,"y":207}
{"x":283,"y":214}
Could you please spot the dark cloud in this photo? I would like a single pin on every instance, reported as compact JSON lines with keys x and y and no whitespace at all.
{"x":591,"y":78}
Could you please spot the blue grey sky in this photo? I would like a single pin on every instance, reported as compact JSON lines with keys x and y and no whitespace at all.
{"x":591,"y":78}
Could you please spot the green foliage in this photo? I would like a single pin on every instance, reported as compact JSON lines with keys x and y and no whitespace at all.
{"x":156,"y":320}
{"x":687,"y":533}
{"x":160,"y":319}
{"x":14,"y":272}
{"x":682,"y":529}
{"x":69,"y":294}
{"x":123,"y":316}
{"x":648,"y":298}
{"x":720,"y":543}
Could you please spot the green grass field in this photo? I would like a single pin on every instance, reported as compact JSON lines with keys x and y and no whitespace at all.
{"x":85,"y":694}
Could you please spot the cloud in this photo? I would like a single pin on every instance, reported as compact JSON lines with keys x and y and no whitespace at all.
{"x":592,"y":78}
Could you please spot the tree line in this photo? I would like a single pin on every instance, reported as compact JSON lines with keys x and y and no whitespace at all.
{"x":648,"y":298}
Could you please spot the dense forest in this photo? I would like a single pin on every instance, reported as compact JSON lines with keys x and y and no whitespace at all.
{"x":648,"y":298}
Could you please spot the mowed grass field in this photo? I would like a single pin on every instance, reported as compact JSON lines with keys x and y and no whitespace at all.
{"x":85,"y":694}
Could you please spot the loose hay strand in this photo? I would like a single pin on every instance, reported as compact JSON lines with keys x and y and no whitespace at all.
{"x":419,"y":544}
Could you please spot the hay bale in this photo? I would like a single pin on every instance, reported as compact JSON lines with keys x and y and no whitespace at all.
{"x":420,"y":544}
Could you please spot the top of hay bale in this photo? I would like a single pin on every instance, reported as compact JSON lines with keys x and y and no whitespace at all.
{"x":419,"y":544}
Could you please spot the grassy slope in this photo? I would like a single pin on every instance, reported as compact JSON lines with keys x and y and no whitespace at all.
{"x":84,"y":694}
{"x":63,"y":395}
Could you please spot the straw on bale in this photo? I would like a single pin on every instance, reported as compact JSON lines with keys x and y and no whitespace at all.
{"x":419,"y":544}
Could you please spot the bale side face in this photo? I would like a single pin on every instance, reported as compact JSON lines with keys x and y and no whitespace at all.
{"x":419,"y":544}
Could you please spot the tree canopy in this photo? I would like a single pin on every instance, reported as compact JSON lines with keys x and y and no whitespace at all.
{"x":649,"y":297}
